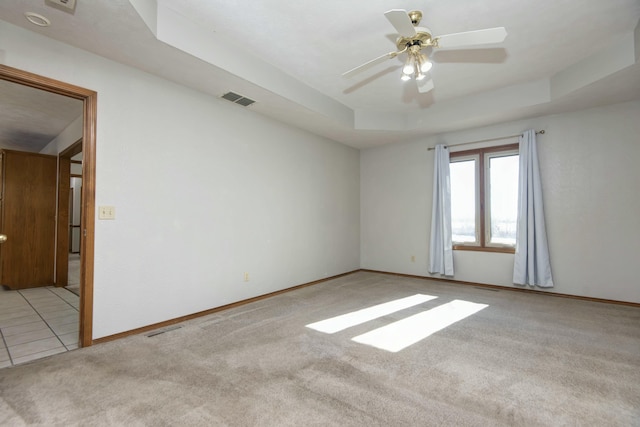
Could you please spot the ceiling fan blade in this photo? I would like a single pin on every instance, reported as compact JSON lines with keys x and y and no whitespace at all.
{"x":370,"y":64}
{"x":401,"y":22}
{"x":425,"y":85}
{"x":470,"y":38}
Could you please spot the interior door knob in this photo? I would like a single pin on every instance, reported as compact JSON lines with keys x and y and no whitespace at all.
{"x":3,"y":238}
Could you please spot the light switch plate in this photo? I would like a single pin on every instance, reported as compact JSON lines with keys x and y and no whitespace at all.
{"x":106,"y":212}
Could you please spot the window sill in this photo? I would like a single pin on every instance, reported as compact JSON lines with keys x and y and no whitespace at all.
{"x":484,"y":249}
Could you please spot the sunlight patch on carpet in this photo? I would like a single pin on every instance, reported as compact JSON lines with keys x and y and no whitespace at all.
{"x":344,"y":321}
{"x":403,"y":333}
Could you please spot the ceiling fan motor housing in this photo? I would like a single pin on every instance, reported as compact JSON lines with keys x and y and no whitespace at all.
{"x":422,"y":38}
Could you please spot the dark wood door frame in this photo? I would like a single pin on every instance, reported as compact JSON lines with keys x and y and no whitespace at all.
{"x":89,"y":99}
{"x":63,"y":242}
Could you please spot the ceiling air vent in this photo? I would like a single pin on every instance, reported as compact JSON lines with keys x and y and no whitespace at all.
{"x":238,"y":99}
{"x":67,"y":4}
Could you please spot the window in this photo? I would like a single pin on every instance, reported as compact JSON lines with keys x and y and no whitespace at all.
{"x":484,"y":198}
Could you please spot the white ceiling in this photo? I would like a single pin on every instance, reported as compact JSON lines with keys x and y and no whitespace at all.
{"x":31,"y":118}
{"x":289,"y":57}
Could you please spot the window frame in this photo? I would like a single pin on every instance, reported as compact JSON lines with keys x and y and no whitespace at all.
{"x":482,"y":156}
{"x":465,"y":158}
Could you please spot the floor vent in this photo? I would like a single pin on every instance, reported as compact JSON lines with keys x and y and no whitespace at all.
{"x":487,"y":289}
{"x":237,"y":99}
{"x":162,"y":331}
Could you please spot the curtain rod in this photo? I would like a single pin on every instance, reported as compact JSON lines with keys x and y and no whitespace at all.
{"x":541,"y":132}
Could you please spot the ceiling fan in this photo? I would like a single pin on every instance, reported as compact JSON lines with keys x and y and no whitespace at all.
{"x":413,"y":39}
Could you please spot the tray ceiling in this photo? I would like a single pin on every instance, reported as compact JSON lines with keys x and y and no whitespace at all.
{"x":289,"y":57}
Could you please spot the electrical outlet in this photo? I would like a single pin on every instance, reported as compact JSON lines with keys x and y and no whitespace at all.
{"x":246,"y":277}
{"x":413,"y":258}
{"x":106,"y":212}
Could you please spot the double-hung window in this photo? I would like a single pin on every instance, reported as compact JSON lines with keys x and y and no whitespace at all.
{"x":484,"y":198}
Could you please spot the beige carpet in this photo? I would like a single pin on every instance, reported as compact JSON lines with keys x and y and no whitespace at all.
{"x":525,"y":360}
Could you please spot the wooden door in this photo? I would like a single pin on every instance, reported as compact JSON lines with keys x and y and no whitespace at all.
{"x":28,"y":200}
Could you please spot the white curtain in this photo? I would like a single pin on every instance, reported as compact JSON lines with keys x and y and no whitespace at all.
{"x":531,"y":266}
{"x":440,"y":247}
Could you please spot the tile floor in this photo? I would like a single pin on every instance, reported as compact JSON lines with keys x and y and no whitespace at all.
{"x":37,"y":322}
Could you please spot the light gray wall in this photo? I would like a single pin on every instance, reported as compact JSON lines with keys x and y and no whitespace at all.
{"x":68,"y":136}
{"x":591,"y":180}
{"x":204,"y":191}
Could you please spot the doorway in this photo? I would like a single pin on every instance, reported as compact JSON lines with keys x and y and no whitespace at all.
{"x":88,"y":146}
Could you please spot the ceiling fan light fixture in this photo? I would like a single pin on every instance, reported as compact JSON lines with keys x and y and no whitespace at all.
{"x":425,"y":64}
{"x":409,"y":66}
{"x":416,"y":65}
